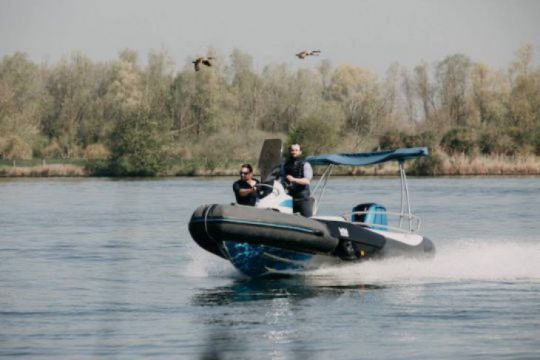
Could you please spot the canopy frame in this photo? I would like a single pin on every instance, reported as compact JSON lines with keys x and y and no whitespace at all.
{"x":401,"y":155}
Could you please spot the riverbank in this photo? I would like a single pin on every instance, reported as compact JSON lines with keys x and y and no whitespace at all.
{"x":434,"y":165}
{"x":52,"y":170}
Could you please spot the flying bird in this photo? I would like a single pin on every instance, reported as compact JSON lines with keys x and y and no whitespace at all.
{"x":202,"y":60}
{"x":303,"y":54}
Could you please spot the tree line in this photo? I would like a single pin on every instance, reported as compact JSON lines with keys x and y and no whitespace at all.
{"x":126,"y":118}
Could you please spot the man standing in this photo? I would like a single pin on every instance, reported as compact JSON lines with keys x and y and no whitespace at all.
{"x":245,"y":188}
{"x":298,"y":174}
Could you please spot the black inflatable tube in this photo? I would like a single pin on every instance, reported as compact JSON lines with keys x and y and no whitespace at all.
{"x":212,"y":224}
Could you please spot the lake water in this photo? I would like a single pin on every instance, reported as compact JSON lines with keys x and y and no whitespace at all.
{"x":99,"y":268}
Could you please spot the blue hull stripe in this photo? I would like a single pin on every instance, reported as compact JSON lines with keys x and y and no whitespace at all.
{"x":258,"y":223}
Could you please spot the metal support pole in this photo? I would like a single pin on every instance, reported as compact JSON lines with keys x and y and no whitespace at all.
{"x":402,"y":209}
{"x":322,"y":182}
{"x":408,"y":199}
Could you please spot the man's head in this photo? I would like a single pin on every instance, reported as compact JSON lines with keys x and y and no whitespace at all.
{"x":246,"y":172}
{"x":294,"y":151}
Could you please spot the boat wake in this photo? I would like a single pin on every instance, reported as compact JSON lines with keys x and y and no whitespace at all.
{"x":203,"y":264}
{"x":460,"y":260}
{"x":467,"y":259}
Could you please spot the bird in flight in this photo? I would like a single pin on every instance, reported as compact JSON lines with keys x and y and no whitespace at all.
{"x":303,"y":54}
{"x":202,"y":60}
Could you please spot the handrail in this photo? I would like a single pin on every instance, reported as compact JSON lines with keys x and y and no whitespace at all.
{"x":404,"y":194}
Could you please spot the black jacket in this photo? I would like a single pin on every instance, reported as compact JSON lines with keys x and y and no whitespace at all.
{"x":295,"y":167}
{"x":244,"y":200}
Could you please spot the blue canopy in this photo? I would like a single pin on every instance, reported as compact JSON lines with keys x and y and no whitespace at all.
{"x":364,"y":159}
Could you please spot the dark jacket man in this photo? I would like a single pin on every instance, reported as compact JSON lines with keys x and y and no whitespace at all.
{"x":298,"y":174}
{"x":244,"y":189}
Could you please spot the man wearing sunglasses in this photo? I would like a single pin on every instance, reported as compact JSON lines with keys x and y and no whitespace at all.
{"x":245,"y":188}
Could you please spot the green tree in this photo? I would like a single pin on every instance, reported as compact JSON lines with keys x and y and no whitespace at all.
{"x":137,"y":145}
{"x":357,"y":91}
{"x":156,"y":81}
{"x":75,"y":117}
{"x":281,"y":108}
{"x":124,"y":94}
{"x":319,"y":132}
{"x":197,"y":99}
{"x":246,"y":91}
{"x":459,"y":140}
{"x":22,"y":99}
{"x":524,"y":103}
{"x":489,"y":95}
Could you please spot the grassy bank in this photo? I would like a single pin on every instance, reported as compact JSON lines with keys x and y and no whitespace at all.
{"x":51,"y":170}
{"x":437,"y":164}
{"x":489,"y":165}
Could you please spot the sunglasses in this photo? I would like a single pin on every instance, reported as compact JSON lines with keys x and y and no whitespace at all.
{"x":243,"y":173}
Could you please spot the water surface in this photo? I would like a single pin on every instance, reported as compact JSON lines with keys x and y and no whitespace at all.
{"x":98,"y":268}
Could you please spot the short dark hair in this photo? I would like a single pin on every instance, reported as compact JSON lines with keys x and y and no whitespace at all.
{"x":295,"y":144}
{"x":248,"y":166}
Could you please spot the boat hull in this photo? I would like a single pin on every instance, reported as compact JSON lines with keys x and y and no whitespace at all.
{"x":262,"y":241}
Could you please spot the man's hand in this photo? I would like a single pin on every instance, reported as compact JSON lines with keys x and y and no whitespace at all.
{"x":290,"y":178}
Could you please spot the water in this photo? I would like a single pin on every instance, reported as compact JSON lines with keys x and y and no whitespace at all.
{"x":96,"y":268}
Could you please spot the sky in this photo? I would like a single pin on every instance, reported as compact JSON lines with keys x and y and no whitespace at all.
{"x":369,"y":33}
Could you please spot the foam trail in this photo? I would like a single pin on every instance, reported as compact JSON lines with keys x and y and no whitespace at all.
{"x":204,"y":264}
{"x":461,"y":260}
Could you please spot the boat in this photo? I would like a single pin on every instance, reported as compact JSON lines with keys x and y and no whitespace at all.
{"x":269,"y":239}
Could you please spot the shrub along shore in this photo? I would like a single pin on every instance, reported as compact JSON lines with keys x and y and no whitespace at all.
{"x":436,"y":164}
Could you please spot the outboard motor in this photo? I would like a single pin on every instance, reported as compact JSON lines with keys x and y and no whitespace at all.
{"x":371,"y":214}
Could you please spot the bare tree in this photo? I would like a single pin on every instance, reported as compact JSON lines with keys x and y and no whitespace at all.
{"x":453,"y":81}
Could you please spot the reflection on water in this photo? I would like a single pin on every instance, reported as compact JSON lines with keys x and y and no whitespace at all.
{"x":215,"y":346}
{"x":294,"y":289}
{"x":246,"y":313}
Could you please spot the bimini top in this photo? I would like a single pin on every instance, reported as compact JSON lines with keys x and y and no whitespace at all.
{"x":364,"y":159}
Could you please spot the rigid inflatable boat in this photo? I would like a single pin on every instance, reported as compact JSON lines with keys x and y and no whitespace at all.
{"x":269,"y":239}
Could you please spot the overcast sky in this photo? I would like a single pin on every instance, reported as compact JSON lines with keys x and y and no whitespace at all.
{"x":372,"y":34}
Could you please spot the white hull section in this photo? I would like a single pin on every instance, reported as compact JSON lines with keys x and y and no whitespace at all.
{"x":409,"y":239}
